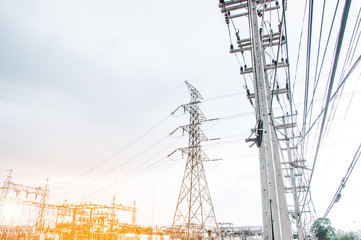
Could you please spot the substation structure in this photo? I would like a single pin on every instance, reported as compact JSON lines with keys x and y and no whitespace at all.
{"x":229,"y":232}
{"x":25,"y":213}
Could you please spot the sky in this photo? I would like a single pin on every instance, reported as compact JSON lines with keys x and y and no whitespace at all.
{"x":87,"y":89}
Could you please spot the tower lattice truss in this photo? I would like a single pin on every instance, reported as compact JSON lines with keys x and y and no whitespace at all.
{"x":194,"y":216}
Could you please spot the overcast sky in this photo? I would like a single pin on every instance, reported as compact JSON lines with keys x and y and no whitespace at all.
{"x":81,"y":81}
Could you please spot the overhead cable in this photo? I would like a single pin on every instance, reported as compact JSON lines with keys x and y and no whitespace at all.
{"x":119,"y":165}
{"x":321,"y":66}
{"x":333,"y":96}
{"x":308,"y":62}
{"x":315,"y":84}
{"x":115,"y":153}
{"x":337,"y":195}
{"x":346,"y":65}
{"x":332,"y":78}
{"x":140,"y":169}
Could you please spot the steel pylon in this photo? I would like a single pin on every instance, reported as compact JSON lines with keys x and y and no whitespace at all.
{"x":194,"y":217}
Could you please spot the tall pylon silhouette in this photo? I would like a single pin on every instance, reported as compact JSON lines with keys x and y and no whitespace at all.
{"x":194,"y":216}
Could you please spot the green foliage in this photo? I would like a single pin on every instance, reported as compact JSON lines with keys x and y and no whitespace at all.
{"x":345,"y":236}
{"x":322,"y":229}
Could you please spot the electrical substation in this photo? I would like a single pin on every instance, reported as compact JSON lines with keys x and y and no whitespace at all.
{"x":258,"y":38}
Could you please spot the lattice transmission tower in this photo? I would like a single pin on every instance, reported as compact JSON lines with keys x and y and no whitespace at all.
{"x":194,"y":217}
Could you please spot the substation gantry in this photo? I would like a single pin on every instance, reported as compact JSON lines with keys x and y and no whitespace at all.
{"x":14,"y":194}
{"x":91,"y":221}
{"x":60,"y":221}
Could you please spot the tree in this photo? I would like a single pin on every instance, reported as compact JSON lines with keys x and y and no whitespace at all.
{"x":345,"y":236}
{"x":322,"y":229}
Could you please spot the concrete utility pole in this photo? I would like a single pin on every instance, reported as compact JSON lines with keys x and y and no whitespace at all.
{"x":194,"y":217}
{"x":265,"y":49}
{"x":277,"y":226}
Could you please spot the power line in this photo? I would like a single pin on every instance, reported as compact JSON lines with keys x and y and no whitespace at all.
{"x":119,"y":165}
{"x":315,"y":84}
{"x":320,"y":70}
{"x":140,"y":171}
{"x":308,"y":62}
{"x":332,"y":78}
{"x":221,"y":97}
{"x":348,"y":60}
{"x":333,"y":96}
{"x":114,"y":154}
{"x":299,"y":44}
{"x":337,"y":195}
